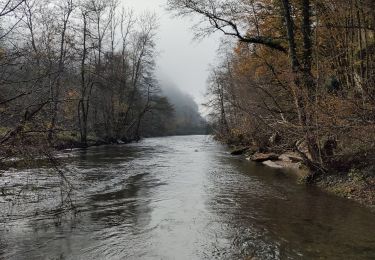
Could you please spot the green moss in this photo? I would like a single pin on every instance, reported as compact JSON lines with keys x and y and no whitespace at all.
{"x":3,"y":130}
{"x":68,"y":136}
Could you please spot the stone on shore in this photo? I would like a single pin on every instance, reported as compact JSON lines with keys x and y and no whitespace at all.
{"x":262,"y":157}
{"x":273,"y":164}
{"x":291,"y":157}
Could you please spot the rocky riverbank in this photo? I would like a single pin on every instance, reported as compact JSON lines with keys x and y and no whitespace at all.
{"x":358,"y":185}
{"x":64,"y":144}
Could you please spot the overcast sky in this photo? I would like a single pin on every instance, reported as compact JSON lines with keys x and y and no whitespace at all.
{"x":182,"y":60}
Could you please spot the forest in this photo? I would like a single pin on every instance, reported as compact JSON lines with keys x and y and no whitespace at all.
{"x":105,"y":154}
{"x":292,"y":76}
{"x":300,"y":76}
{"x":78,"y":73}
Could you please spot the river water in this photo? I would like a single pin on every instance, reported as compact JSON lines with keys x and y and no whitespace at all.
{"x":176,"y":198}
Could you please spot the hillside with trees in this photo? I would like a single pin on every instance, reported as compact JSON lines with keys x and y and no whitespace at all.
{"x":77,"y":73}
{"x":299,"y":77}
{"x":102,"y":157}
{"x":188,"y":119}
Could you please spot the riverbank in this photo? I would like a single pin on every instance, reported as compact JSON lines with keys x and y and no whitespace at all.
{"x":358,"y":185}
{"x":65,"y":144}
{"x":177,"y":195}
{"x":36,"y":149}
{"x":355,"y":184}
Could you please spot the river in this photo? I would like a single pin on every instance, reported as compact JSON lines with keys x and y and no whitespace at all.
{"x":176,"y":198}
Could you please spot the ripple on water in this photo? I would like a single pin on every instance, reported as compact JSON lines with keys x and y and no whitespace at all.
{"x":177,"y":198}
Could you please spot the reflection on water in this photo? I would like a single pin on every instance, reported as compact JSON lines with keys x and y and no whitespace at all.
{"x":181,"y":198}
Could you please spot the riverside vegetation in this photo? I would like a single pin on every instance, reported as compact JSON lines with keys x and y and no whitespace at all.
{"x":299,"y":78}
{"x":81,"y":73}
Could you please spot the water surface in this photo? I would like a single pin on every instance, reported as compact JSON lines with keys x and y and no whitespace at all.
{"x":177,"y":198}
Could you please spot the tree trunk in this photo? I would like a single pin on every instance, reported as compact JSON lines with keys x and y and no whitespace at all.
{"x":304,"y":92}
{"x":83,"y":103}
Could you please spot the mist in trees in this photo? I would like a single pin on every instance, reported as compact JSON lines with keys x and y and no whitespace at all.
{"x":188,"y":119}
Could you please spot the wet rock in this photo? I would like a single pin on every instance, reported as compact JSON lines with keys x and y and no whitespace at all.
{"x":262,"y":157}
